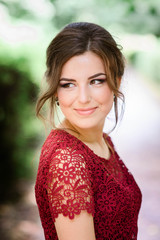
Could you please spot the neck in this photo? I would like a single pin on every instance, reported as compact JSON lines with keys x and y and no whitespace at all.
{"x":90,"y":136}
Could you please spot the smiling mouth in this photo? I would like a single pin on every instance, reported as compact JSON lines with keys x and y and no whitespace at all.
{"x":85,"y":111}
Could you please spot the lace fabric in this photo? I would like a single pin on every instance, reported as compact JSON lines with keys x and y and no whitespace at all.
{"x":69,"y":188}
{"x":72,"y":178}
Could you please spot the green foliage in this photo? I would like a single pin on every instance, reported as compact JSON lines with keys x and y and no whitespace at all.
{"x":18,"y":136}
{"x":17,"y":9}
{"x":148,"y":64}
{"x":139,"y":16}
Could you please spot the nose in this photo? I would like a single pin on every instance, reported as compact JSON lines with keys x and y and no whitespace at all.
{"x":84,"y":95}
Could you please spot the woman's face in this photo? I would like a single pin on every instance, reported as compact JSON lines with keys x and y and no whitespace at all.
{"x":83,"y":92}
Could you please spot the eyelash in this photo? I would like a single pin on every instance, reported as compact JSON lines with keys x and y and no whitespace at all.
{"x":67,"y":85}
{"x":99,"y":80}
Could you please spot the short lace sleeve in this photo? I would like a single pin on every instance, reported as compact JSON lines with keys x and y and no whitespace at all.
{"x":69,"y":185}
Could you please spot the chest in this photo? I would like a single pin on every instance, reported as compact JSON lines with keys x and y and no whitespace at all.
{"x":102,"y":152}
{"x":111,"y":179}
{"x":115,"y":189}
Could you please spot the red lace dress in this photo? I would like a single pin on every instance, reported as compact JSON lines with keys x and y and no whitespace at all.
{"x":72,"y":178}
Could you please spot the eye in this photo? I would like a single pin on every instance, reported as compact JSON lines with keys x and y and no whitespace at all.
{"x":66,"y":85}
{"x":97,"y":81}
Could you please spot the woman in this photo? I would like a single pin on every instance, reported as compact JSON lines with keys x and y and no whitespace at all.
{"x":83,"y":190}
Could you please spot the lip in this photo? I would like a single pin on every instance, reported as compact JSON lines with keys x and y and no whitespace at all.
{"x":85,"y":111}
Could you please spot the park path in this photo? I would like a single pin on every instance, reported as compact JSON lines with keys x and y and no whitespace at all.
{"x":137,"y":140}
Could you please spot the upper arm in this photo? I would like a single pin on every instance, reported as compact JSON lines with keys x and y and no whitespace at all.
{"x":79,"y":228}
{"x":70,"y":196}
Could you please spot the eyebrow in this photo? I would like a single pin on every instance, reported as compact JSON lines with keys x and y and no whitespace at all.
{"x":93,"y":76}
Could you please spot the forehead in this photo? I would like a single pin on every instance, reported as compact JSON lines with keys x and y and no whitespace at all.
{"x":86,"y":63}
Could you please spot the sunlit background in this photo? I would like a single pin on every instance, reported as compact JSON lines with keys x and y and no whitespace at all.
{"x":26,"y":28}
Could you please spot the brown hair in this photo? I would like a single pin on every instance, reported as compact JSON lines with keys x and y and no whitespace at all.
{"x":75,"y":39}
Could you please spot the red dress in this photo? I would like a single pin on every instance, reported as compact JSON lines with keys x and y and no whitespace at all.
{"x":72,"y":178}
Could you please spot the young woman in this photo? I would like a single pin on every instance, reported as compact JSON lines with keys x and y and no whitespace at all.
{"x":83,"y":189}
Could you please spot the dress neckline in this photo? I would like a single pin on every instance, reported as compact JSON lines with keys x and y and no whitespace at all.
{"x":86,"y":146}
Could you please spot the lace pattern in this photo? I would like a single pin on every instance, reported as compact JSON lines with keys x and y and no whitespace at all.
{"x":72,"y":178}
{"x":69,"y":188}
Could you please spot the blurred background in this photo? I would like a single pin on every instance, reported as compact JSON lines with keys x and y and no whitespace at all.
{"x":26,"y":29}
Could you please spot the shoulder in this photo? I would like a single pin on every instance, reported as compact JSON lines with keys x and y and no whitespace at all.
{"x":56,"y":137}
{"x":60,"y":142}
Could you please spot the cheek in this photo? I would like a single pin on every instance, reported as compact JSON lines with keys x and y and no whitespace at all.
{"x":106,"y":97}
{"x":106,"y":102}
{"x":65,"y":98}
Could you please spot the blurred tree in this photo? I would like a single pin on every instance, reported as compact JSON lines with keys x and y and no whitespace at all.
{"x":143,"y":17}
{"x":139,"y":16}
{"x":17,"y":94}
{"x":16,"y":9}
